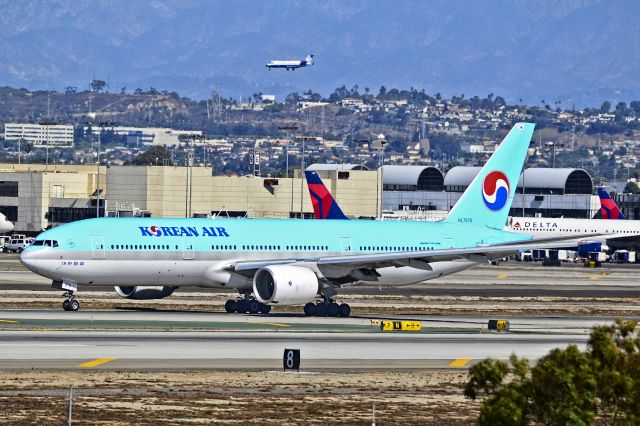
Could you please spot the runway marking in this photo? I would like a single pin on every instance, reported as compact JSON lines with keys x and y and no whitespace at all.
{"x":95,"y":362}
{"x":459,"y":363}
{"x":11,"y":321}
{"x":273,"y":323}
{"x":502,"y":276}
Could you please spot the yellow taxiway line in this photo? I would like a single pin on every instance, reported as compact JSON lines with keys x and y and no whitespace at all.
{"x":459,"y":363}
{"x":95,"y":362}
{"x":11,"y":321}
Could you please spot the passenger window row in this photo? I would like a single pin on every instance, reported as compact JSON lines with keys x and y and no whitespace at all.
{"x":308,"y":248}
{"x":141,"y":247}
{"x":394,"y":248}
{"x":224,"y":247}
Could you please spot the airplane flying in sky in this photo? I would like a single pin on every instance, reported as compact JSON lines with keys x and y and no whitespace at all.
{"x":291,"y":64}
{"x":608,"y":208}
{"x":288,"y":261}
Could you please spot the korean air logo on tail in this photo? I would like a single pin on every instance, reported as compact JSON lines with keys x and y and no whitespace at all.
{"x":495,"y":190}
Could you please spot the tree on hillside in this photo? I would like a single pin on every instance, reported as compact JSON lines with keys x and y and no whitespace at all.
{"x":156,"y":154}
{"x":567,"y":386}
{"x":98,"y":85}
{"x":631,"y":188}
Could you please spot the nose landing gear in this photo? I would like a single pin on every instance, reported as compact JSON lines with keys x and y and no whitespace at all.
{"x":70,"y":304}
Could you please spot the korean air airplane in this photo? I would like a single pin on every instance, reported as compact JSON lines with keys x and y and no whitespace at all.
{"x":287,"y":261}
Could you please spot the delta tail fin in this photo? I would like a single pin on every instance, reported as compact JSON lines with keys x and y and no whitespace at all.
{"x":487,"y":200}
{"x":608,"y":208}
{"x":324,"y":206}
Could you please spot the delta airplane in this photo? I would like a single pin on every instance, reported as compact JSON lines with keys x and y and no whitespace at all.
{"x":608,"y":208}
{"x":288,"y":261}
{"x":291,"y":64}
{"x":5,"y":225}
{"x":616,"y":234}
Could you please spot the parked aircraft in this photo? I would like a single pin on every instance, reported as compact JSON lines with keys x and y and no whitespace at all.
{"x":5,"y":225}
{"x":290,"y":64}
{"x":324,"y":206}
{"x":287,"y":262}
{"x":613,"y":234}
{"x":608,"y":208}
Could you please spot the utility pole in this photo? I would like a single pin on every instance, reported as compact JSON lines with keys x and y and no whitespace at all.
{"x":302,"y":178}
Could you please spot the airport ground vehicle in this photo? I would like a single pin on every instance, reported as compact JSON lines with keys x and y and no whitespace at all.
{"x":17,"y":243}
{"x":624,"y":256}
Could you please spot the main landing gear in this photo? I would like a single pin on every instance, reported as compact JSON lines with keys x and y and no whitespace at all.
{"x":70,"y":303}
{"x":327,"y":307}
{"x":248,"y":305}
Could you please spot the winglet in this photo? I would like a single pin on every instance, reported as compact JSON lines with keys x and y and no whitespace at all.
{"x":608,"y":208}
{"x":487,"y":200}
{"x":324,"y":206}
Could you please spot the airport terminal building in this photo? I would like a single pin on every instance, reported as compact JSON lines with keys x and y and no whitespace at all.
{"x":36,"y":197}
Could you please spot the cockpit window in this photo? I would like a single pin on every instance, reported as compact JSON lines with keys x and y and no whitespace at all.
{"x":46,"y":243}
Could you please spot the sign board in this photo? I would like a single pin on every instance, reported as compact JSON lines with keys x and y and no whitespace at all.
{"x":291,"y":359}
{"x":387,"y":325}
{"x":498,"y":325}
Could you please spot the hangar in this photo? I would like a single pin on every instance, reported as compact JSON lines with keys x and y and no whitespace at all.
{"x":546,"y":192}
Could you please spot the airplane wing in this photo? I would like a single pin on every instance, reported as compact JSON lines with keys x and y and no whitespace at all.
{"x":381,"y":260}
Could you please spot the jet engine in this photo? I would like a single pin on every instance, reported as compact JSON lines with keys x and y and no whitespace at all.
{"x":144,"y":293}
{"x":285,"y":285}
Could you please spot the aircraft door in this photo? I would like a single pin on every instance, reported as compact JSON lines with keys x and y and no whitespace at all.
{"x":187,"y":248}
{"x":346,"y":244}
{"x":447,"y":243}
{"x":97,"y":247}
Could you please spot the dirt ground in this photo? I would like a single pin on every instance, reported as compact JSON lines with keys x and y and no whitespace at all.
{"x":247,"y":398}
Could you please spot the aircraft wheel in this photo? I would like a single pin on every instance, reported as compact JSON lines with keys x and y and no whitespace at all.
{"x":65,"y":305}
{"x":241,"y":306}
{"x":309,"y":309}
{"x":344,"y":310}
{"x":320,"y":309}
{"x":74,"y":305}
{"x":333,"y":309}
{"x":254,"y":306}
{"x":265,"y":309}
{"x":230,"y":306}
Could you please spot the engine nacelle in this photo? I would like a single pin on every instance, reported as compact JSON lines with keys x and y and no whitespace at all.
{"x":144,"y":293}
{"x":285,"y":285}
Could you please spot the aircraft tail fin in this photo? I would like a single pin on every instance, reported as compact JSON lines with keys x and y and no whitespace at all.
{"x":608,"y":208}
{"x":324,"y":205}
{"x":309,"y":60}
{"x":487,"y":200}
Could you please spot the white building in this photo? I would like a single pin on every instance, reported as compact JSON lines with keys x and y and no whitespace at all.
{"x":40,"y":135}
{"x":147,"y":135}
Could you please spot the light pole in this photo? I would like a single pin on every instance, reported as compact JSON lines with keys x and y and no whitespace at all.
{"x":302,"y":177}
{"x":382,"y":141}
{"x":101,"y":125}
{"x":46,"y":124}
{"x":189,"y":163}
{"x":288,"y":129}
